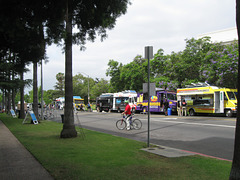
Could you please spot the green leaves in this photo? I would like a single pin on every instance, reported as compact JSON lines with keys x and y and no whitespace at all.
{"x":200,"y":61}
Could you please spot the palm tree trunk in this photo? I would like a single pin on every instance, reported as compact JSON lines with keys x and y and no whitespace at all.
{"x":235,"y":171}
{"x":21,"y":112}
{"x":35,"y":90}
{"x":68,"y":130}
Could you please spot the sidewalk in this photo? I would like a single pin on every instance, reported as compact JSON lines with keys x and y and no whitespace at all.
{"x":16,"y":162}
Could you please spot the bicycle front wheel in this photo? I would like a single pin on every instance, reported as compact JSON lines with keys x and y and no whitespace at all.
{"x":137,"y":124}
{"x":121,"y":124}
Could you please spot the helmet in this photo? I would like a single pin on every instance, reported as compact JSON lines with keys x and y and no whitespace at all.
{"x":126,"y":101}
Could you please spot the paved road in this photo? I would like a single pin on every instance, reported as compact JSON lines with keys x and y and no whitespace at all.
{"x":213,"y":136}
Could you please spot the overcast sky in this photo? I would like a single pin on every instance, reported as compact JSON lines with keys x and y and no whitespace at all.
{"x":162,"y":24}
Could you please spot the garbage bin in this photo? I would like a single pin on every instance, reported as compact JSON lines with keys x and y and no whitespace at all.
{"x":169,"y":111}
{"x":62,"y":116}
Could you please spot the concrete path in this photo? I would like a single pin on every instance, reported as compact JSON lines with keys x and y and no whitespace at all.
{"x":16,"y":162}
{"x":167,"y":151}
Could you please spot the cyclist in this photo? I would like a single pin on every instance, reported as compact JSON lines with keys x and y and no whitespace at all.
{"x":128,"y":113}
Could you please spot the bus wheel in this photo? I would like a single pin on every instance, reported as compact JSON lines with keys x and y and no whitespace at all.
{"x":228,"y":113}
{"x":191,"y":112}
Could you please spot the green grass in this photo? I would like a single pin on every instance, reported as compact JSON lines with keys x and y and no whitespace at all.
{"x":103,"y":156}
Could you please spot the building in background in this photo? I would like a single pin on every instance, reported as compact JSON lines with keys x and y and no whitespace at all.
{"x":226,"y":36}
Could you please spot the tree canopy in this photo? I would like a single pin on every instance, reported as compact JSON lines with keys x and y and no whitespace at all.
{"x":200,"y":61}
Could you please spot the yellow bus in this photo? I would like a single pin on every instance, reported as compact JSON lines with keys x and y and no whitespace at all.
{"x":203,"y":98}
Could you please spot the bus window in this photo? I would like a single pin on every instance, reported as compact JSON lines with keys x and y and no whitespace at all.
{"x":145,"y":96}
{"x":235,"y":93}
{"x":118,"y":100}
{"x":130,"y":100}
{"x":125,"y":99}
{"x":203,"y":102}
{"x":225,"y":97}
{"x":171,"y":97}
{"x":79,"y":101}
{"x":231,"y":95}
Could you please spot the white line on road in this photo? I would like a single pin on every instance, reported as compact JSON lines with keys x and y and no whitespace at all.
{"x":180,"y":122}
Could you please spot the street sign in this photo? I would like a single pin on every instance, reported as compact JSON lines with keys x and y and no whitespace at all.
{"x":148,"y":52}
{"x":152,"y":89}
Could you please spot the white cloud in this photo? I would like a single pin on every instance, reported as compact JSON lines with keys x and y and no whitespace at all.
{"x":159,"y":23}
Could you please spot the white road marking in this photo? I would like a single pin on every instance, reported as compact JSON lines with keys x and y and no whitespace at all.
{"x":167,"y":120}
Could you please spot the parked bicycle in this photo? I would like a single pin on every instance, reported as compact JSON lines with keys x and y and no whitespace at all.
{"x":134,"y":123}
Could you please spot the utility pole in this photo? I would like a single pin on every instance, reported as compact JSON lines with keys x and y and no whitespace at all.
{"x":148,"y":56}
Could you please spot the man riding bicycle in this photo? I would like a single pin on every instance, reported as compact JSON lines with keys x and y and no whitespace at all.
{"x":128,"y":113}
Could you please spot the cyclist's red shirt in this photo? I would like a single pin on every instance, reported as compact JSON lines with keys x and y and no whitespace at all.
{"x":128,"y":109}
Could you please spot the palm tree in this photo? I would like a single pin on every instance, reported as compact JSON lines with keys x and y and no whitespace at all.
{"x":68,"y":130}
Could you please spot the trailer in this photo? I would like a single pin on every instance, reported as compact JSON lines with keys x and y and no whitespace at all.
{"x":204,"y":98}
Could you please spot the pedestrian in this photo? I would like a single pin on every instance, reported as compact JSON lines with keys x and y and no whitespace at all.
{"x":89,"y":107}
{"x":184,"y":107}
{"x":179,"y":108}
{"x":128,"y":113}
{"x":166,"y":106}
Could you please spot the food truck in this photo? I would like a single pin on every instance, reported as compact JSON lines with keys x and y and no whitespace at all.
{"x":115,"y":101}
{"x":120,"y":97}
{"x":104,"y":102}
{"x":156,"y":101}
{"x":78,"y":102}
{"x":204,"y":98}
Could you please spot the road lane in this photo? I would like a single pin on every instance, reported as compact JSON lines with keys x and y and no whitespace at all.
{"x":213,"y":136}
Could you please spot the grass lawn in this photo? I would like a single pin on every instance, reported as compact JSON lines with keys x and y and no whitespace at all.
{"x":103,"y":156}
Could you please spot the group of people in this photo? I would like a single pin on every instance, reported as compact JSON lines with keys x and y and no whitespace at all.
{"x":182,"y":108}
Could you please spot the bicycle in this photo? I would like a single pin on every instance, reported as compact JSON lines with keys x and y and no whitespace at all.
{"x":134,"y":123}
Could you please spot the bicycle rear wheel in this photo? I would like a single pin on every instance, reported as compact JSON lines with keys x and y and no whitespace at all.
{"x":137,"y":124}
{"x":121,"y":124}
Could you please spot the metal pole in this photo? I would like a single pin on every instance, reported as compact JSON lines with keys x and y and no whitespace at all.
{"x":148,"y":144}
{"x":88,"y":89}
{"x":148,"y":55}
{"x":42,"y":89}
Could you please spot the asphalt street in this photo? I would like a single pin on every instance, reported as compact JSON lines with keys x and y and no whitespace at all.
{"x":211,"y":136}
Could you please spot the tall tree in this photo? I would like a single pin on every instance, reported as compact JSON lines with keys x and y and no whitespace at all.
{"x":89,"y":18}
{"x":235,"y":171}
{"x":134,"y":74}
{"x":80,"y":86}
{"x":114,"y":71}
{"x":68,"y":130}
{"x":21,"y":32}
{"x":60,"y":84}
{"x":101,"y":86}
